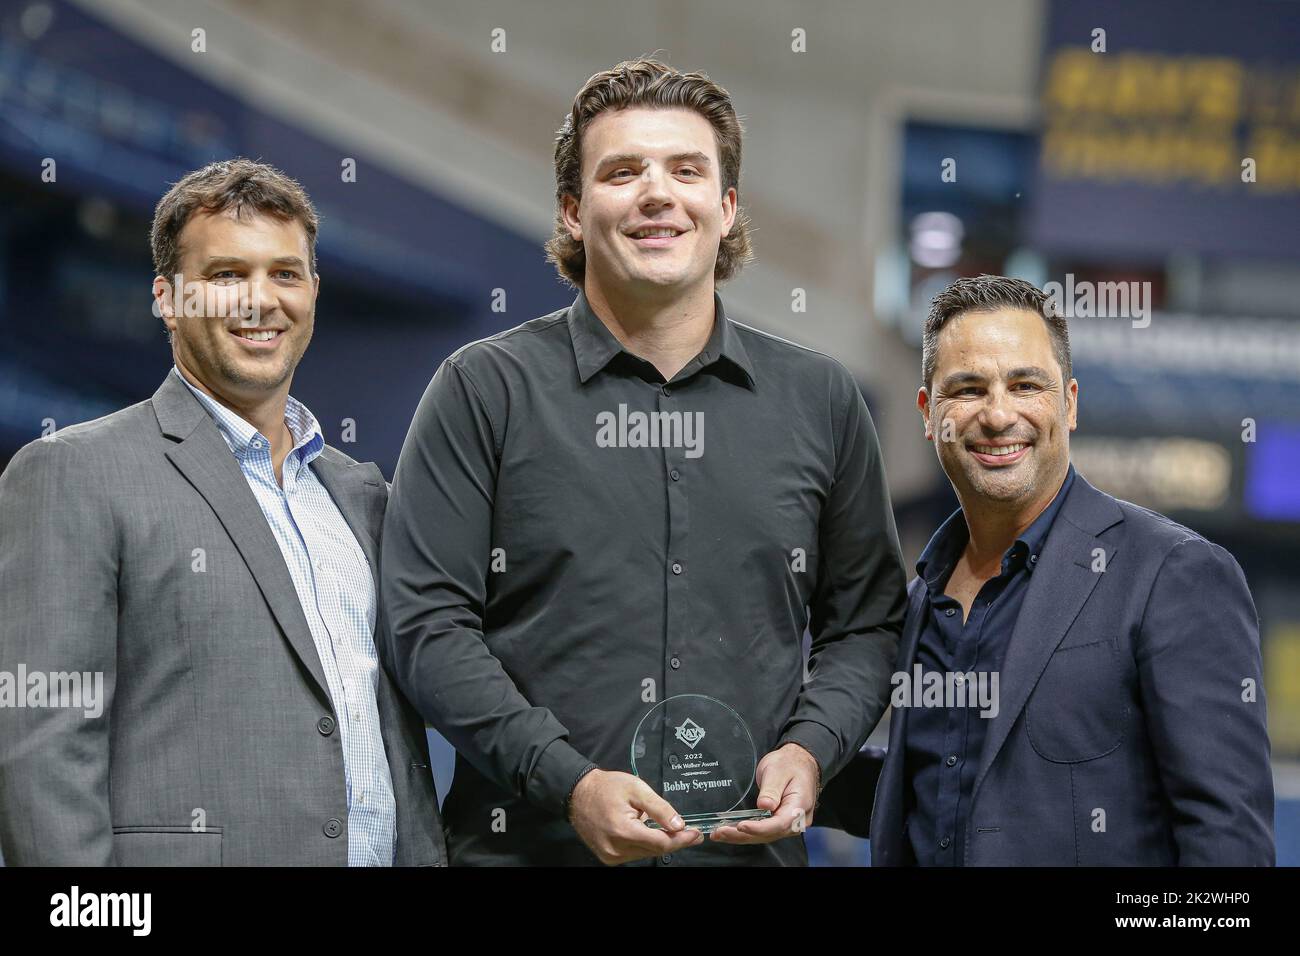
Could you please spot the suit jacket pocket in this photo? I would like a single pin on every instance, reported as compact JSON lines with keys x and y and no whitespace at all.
{"x":166,"y":846}
{"x":1078,"y":710}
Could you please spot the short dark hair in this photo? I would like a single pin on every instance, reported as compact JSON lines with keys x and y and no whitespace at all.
{"x":238,"y":184}
{"x":647,"y":83}
{"x":985,"y":293}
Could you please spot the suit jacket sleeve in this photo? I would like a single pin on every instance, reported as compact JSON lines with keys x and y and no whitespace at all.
{"x":58,"y":587}
{"x":1198,"y":661}
{"x":860,"y":599}
{"x":436,"y":554}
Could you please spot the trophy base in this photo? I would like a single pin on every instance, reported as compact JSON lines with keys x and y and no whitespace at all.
{"x":708,"y":822}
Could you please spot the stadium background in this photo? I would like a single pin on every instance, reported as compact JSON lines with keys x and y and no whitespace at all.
{"x":890,"y":147}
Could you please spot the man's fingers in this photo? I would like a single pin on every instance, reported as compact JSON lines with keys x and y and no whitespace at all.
{"x":731,"y":834}
{"x":655,"y":807}
{"x":786,"y":821}
{"x":684,"y":838}
{"x":772,"y":790}
{"x":779,"y":824}
{"x":640,"y":841}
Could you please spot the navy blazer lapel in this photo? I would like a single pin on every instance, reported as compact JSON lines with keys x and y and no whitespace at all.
{"x":205,"y":460}
{"x":912,"y":626}
{"x":1062,"y":582}
{"x":887,"y":811}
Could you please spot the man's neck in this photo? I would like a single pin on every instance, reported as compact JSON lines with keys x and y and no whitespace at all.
{"x":666,"y":332}
{"x":994,"y":528}
{"x":264,"y":412}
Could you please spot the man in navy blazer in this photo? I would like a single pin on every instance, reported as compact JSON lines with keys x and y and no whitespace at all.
{"x":1079,"y":679}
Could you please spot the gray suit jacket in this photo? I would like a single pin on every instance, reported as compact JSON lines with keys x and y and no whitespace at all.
{"x":133,"y":546}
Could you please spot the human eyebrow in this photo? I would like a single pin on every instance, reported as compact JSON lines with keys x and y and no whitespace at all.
{"x":1030,"y":371}
{"x":226,"y":262}
{"x":637,"y":160}
{"x":960,"y":379}
{"x":629,"y":159}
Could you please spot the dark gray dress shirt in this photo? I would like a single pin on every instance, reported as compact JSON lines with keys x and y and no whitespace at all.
{"x":570,"y":538}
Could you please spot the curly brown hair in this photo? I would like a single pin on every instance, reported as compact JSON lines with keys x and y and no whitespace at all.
{"x":646,"y":82}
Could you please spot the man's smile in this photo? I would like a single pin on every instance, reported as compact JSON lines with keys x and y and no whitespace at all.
{"x":999,"y":454}
{"x":259,"y":340}
{"x":655,"y":237}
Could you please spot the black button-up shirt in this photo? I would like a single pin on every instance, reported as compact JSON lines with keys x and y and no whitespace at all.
{"x":943,"y":744}
{"x":570,"y":539}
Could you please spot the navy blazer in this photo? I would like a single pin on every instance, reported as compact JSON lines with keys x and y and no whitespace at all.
{"x":1131,"y":728}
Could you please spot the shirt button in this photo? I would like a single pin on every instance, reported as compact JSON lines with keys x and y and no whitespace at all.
{"x":257,"y":444}
{"x":951,"y":611}
{"x":675,"y":663}
{"x":674,"y":474}
{"x":677,"y":568}
{"x":952,"y":760}
{"x":944,"y":843}
{"x":1033,"y":559}
{"x":333,"y":828}
{"x":325,"y":725}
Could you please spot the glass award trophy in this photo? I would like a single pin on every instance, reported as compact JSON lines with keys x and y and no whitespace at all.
{"x":696,"y":753}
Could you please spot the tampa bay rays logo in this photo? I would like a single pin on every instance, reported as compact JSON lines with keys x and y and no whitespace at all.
{"x":690,"y":733}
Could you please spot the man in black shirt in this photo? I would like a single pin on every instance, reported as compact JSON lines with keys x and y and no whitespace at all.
{"x":635,"y":498}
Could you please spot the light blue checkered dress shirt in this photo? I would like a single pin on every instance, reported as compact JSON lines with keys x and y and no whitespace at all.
{"x":337,"y":593}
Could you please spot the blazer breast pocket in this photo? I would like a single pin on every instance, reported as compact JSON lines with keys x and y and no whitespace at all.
{"x":1078,"y":710}
{"x":166,"y":846}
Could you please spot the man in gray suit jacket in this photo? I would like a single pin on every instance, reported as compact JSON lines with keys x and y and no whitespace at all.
{"x":210,"y":563}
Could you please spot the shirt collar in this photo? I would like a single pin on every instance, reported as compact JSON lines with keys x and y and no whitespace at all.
{"x":1035,"y":536}
{"x":594,"y":345}
{"x":945,"y":547}
{"x":240,"y":436}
